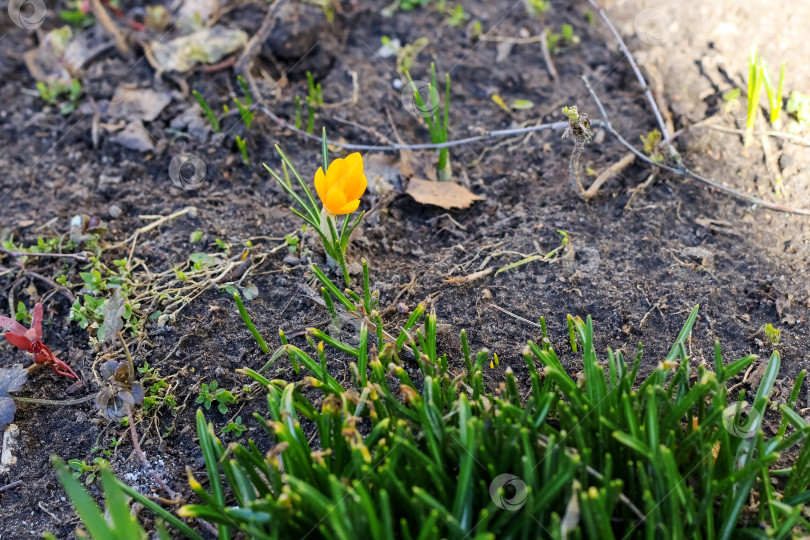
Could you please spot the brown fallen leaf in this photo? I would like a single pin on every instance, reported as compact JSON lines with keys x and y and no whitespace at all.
{"x":444,"y":194}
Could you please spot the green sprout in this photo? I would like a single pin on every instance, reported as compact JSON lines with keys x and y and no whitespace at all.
{"x":799,"y":106}
{"x":457,"y":16}
{"x":437,"y":123}
{"x":537,"y":8}
{"x":244,"y":108}
{"x":773,"y":334}
{"x":80,"y":468}
{"x":651,"y":142}
{"x":242,"y":145}
{"x":59,"y":93}
{"x":208,"y":112}
{"x":314,"y":100}
{"x":774,"y":94}
{"x":755,"y":78}
{"x":236,"y":427}
{"x":22,"y":315}
{"x":209,"y":393}
{"x":249,"y":323}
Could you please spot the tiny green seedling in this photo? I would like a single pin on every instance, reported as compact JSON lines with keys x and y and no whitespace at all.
{"x":59,"y":93}
{"x":537,"y":8}
{"x":208,"y":112}
{"x":774,"y":94}
{"x":566,"y":37}
{"x":236,"y":427}
{"x":651,"y":142}
{"x":242,"y":145}
{"x":773,"y":334}
{"x":158,"y":390}
{"x":437,"y":123}
{"x":457,"y":16}
{"x":314,"y":100}
{"x":476,"y":30}
{"x":799,"y":106}
{"x":210,"y":393}
{"x":22,"y":315}
{"x":755,"y":78}
{"x":244,"y":108}
{"x":80,"y":468}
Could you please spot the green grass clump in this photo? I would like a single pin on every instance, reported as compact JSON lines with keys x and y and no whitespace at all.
{"x":437,"y":122}
{"x":608,"y":455}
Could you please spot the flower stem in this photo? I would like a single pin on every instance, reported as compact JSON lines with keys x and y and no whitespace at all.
{"x":333,"y":235}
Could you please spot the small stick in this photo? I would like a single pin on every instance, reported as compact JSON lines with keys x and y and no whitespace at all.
{"x":426,"y":146}
{"x":108,"y":24}
{"x":64,"y":290}
{"x":777,"y":134}
{"x":547,"y":56}
{"x":672,"y":152}
{"x":10,"y":486}
{"x":607,"y":174}
{"x":242,"y":65}
{"x":172,"y":494}
{"x":78,"y":256}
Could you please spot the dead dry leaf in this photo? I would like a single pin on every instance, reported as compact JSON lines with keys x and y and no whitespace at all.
{"x":447,"y":195}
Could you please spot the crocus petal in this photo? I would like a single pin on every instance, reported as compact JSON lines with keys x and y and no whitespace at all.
{"x":348,"y":208}
{"x":335,"y":200}
{"x":353,"y":183}
{"x":333,"y":173}
{"x":320,"y":183}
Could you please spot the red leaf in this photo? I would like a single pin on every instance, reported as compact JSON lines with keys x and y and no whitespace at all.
{"x":36,"y":320}
{"x":10,"y":325}
{"x":21,"y":342}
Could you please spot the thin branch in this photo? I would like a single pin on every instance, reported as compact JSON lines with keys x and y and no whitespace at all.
{"x":686,"y":172}
{"x":777,"y":134}
{"x":10,"y":486}
{"x":673,"y":153}
{"x":78,"y":256}
{"x":172,"y":494}
{"x":547,"y":56}
{"x":64,"y":290}
{"x":427,"y":146}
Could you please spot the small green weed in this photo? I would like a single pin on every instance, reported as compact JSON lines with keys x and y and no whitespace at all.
{"x":210,"y":393}
{"x":236,"y":427}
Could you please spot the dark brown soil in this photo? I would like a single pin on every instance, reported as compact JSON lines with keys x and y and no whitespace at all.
{"x":637,"y":271}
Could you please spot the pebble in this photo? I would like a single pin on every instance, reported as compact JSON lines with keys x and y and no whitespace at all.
{"x":115,"y":211}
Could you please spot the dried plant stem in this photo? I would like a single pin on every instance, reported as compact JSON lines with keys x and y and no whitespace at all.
{"x":776,"y":134}
{"x":547,"y":56}
{"x":137,"y":445}
{"x":399,"y":147}
{"x":55,"y":402}
{"x":10,"y":486}
{"x":607,"y":174}
{"x":78,"y":256}
{"x":623,"y":46}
